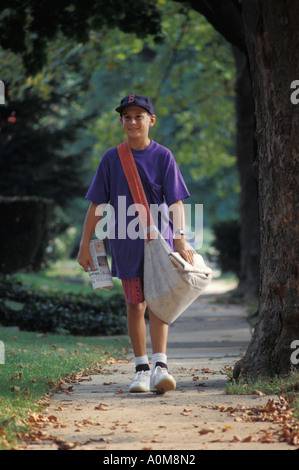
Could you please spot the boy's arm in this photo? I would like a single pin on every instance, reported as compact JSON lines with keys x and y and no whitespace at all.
{"x":177,"y":214}
{"x":91,"y":220}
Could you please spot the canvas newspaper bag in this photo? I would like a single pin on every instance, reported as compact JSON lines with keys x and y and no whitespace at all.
{"x":171,"y":284}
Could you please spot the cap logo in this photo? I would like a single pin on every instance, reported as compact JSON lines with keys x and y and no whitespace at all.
{"x":131,"y":98}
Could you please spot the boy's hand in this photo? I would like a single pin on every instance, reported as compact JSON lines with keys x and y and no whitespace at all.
{"x":185,"y":249}
{"x":85,"y":259}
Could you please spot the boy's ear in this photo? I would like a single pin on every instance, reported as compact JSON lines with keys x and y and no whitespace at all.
{"x":153,"y":119}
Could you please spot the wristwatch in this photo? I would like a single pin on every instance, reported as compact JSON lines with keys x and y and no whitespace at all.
{"x":180,"y":232}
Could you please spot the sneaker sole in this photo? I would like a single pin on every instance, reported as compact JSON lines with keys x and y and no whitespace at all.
{"x":138,"y":389}
{"x":165,"y":385}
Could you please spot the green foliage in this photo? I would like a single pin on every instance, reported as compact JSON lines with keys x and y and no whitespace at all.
{"x":27,"y":27}
{"x":76,"y":314}
{"x":24,"y":232}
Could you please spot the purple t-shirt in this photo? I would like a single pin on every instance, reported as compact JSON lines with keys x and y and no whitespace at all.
{"x":163,"y":185}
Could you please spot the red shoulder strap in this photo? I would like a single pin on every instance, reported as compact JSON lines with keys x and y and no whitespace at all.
{"x":134,"y":182}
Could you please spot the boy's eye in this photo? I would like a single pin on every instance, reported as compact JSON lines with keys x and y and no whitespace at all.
{"x":129,"y":118}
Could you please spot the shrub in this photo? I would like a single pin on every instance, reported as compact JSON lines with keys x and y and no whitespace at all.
{"x":50,"y":313}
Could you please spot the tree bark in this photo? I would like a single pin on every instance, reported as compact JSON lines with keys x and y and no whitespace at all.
{"x":248,"y":286}
{"x":271,"y":31}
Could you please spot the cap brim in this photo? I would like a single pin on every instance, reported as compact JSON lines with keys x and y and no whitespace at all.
{"x":119,"y":109}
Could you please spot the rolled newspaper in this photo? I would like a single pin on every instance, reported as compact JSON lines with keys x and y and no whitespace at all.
{"x":101,"y":277}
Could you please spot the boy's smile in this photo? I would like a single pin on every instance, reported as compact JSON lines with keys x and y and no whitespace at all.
{"x":136,"y":122}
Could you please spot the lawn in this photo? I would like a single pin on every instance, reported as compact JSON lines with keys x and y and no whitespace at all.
{"x":64,"y":276}
{"x":33,"y":362}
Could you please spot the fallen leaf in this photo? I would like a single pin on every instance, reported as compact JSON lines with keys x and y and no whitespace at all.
{"x":226,"y":428}
{"x":259,"y":393}
{"x":64,"y":445}
{"x":102,"y":407}
{"x":206,"y":430}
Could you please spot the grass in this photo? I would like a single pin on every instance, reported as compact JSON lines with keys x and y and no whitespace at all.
{"x":32,"y":361}
{"x":64,"y":276}
{"x":287,"y":386}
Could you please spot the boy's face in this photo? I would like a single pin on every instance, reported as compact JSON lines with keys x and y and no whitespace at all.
{"x":136,"y":122}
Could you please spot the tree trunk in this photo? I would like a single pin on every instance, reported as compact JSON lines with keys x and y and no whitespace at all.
{"x":246,"y":156}
{"x":271,"y":30}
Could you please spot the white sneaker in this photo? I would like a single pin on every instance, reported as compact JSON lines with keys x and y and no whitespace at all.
{"x":141,"y":382}
{"x":162,"y":381}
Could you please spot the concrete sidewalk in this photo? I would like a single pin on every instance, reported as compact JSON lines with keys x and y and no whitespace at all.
{"x":100,"y":414}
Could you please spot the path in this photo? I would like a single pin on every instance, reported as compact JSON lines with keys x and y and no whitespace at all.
{"x":100,"y":414}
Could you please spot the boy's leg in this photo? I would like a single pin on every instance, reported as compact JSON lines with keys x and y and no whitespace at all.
{"x":133,"y":290}
{"x":137,"y":333}
{"x":158,"y":333}
{"x":136,"y":328}
{"x":161,"y":380}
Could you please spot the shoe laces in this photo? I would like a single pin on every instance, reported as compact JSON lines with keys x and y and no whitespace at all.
{"x":140,"y":374}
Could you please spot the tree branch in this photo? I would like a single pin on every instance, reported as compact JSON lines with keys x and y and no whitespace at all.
{"x":225,"y":17}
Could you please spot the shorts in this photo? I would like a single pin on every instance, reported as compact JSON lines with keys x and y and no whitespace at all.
{"x":133,"y":290}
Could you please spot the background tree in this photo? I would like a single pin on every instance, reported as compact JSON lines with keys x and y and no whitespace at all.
{"x":37,"y":147}
{"x":226,"y":18}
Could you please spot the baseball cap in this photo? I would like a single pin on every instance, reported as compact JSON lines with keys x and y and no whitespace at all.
{"x":135,"y":100}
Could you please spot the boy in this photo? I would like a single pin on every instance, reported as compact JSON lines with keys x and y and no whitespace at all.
{"x":163,"y":185}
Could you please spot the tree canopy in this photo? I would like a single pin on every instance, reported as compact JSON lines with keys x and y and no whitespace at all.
{"x":189,"y":75}
{"x":27,"y":27}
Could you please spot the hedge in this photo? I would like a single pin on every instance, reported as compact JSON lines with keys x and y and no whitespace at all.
{"x":51,"y":313}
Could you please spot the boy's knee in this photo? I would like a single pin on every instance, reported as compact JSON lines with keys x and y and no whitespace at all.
{"x":136,"y":309}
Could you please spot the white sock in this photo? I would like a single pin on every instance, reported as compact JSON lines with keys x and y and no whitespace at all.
{"x":159,"y":357}
{"x":141,"y":360}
